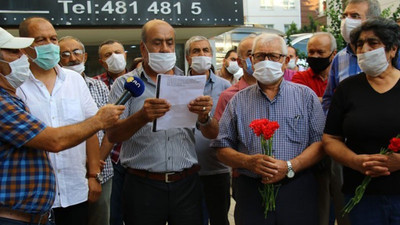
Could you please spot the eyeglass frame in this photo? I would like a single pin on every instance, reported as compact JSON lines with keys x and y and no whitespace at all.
{"x":268,"y":55}
{"x":75,"y":52}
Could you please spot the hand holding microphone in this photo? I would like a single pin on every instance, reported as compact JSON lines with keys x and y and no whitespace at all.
{"x":134,"y":87}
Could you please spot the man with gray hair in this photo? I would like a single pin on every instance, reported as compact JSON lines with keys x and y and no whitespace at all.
{"x":345,"y":62}
{"x":296,"y":144}
{"x":73,"y":57}
{"x":214,"y":175}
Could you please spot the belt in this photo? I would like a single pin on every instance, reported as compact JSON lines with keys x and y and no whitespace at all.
{"x":167,"y":177}
{"x":24,"y":217}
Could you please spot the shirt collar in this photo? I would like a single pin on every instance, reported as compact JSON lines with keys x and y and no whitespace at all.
{"x":282,"y":87}
{"x":350,"y":51}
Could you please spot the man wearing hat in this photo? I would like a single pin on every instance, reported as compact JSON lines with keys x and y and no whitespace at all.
{"x":28,"y":182}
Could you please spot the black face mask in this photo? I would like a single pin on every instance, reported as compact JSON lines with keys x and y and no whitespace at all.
{"x":319,"y":64}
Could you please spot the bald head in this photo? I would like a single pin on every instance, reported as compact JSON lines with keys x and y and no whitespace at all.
{"x":24,"y":25}
{"x":154,"y":24}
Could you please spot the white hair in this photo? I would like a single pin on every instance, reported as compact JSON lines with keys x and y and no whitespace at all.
{"x":265,"y":38}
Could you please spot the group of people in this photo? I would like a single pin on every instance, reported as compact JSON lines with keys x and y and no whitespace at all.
{"x":69,"y":156}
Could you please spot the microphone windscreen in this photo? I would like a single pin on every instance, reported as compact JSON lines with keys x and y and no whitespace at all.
{"x":135,"y":86}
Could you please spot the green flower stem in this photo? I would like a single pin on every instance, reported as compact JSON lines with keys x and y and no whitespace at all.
{"x":357,"y":197}
{"x":268,"y":192}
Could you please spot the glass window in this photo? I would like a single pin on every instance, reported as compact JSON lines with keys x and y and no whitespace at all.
{"x":268,"y":4}
{"x":288,"y":4}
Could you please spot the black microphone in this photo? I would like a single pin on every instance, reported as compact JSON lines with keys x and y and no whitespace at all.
{"x":134,"y":87}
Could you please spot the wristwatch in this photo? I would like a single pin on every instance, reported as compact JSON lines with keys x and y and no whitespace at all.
{"x":200,"y":124}
{"x":97,"y":176}
{"x":290,"y":171}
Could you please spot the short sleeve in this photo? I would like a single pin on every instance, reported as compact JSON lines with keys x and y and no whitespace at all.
{"x":334,"y":120}
{"x":17,"y":126}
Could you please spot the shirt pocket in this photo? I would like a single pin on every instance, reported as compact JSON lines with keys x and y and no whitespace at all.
{"x":296,"y":129}
{"x":72,"y":111}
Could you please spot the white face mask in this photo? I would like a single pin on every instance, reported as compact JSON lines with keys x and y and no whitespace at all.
{"x":346,"y":26}
{"x":292,"y":64}
{"x":161,"y":62}
{"x":79,"y":68}
{"x":374,"y":62}
{"x":116,"y":63}
{"x":19,"y":71}
{"x":268,"y":72}
{"x":233,"y":67}
{"x":201,"y":64}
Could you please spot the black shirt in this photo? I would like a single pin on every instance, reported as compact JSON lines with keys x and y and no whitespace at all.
{"x":367,"y":120}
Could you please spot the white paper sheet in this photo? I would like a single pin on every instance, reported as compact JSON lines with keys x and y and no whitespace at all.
{"x":178,"y":91}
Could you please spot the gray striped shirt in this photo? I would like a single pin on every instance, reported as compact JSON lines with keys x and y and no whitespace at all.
{"x":162,"y":151}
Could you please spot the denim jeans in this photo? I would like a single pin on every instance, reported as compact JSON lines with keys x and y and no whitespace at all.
{"x":376,"y":209}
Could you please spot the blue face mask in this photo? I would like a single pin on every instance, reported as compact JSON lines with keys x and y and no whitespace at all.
{"x":47,"y":56}
{"x":249,"y":68}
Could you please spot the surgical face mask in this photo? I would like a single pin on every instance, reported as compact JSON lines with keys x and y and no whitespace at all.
{"x":346,"y":26}
{"x":79,"y":68}
{"x":201,"y":64}
{"x":116,"y":63}
{"x":233,"y":67}
{"x":319,"y":64}
{"x":268,"y":72}
{"x":161,"y":62}
{"x":19,"y":71}
{"x":47,"y":56}
{"x":249,"y":67}
{"x":292,"y":64}
{"x":374,"y":62}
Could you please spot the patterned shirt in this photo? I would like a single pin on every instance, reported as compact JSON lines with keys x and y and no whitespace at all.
{"x":27,"y":178}
{"x":109,"y":81}
{"x":161,"y":151}
{"x":344,"y":65}
{"x":296,"y":108}
{"x":106,"y":79}
{"x":100,"y":92}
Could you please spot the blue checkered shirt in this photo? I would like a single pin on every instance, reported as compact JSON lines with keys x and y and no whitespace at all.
{"x":27,"y":178}
{"x":296,"y":108}
{"x":100,"y":92}
{"x":344,"y":65}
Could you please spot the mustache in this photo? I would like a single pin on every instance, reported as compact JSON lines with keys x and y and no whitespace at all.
{"x":73,"y":63}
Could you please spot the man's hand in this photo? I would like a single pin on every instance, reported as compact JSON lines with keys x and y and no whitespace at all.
{"x":262,"y":165}
{"x":94,"y":189}
{"x":154,"y":108}
{"x":109,"y":114}
{"x":281,"y":168}
{"x":201,"y":106}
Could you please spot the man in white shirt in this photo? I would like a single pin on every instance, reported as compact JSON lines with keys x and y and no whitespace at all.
{"x":60,"y":97}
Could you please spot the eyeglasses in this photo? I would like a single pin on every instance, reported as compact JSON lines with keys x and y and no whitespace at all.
{"x":67,"y":54}
{"x":261,"y":56}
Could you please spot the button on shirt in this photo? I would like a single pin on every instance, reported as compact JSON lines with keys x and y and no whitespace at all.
{"x":296,"y":108}
{"x":27,"y":179}
{"x":161,"y":151}
{"x":206,"y":155}
{"x":69,"y":103}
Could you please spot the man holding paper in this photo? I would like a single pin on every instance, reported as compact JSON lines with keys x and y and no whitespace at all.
{"x":162,"y":183}
{"x":214,"y":175}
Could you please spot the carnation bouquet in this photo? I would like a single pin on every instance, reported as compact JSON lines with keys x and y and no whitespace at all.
{"x":266,"y":129}
{"x":394,"y":146}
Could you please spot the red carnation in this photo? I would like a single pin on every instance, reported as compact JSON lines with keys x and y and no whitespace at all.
{"x":394,"y":144}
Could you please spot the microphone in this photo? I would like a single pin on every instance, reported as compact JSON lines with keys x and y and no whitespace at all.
{"x":134,"y":87}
